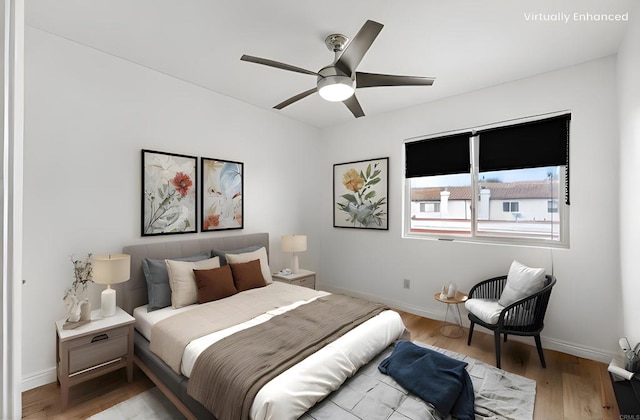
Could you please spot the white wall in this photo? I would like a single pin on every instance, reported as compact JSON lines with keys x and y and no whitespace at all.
{"x":374,"y":263}
{"x":88,"y":114}
{"x":629,"y":93}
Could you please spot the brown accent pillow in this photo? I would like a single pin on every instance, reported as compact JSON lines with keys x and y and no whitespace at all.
{"x":214,"y":284}
{"x":247,"y":275}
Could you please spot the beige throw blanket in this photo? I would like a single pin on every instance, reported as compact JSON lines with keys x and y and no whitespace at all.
{"x":170,"y":336}
{"x":227,"y":376}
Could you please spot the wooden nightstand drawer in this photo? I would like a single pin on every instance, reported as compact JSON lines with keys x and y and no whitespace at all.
{"x":304,"y":278}
{"x":90,"y":351}
{"x":309,"y":282}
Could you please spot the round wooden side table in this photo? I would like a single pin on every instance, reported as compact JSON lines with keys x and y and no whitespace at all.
{"x":452,"y":329}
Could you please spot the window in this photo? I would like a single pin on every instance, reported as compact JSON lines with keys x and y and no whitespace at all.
{"x":427,"y":207}
{"x":510,"y":206}
{"x":452,"y":215}
{"x":502,"y":184}
{"x":439,"y":171}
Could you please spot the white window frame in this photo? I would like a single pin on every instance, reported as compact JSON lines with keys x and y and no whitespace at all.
{"x":474,"y":236}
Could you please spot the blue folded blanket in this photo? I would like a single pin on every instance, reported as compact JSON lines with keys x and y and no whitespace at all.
{"x":432,"y":376}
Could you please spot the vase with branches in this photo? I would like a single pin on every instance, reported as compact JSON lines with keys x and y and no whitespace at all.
{"x":74,"y":295}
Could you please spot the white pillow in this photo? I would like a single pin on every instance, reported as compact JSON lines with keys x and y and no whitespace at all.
{"x":522,"y":281}
{"x":489,"y":311}
{"x":184,"y":290}
{"x":485,"y":309}
{"x":259,"y":254}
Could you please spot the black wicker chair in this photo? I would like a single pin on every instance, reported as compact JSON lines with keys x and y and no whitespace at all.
{"x":524,"y":317}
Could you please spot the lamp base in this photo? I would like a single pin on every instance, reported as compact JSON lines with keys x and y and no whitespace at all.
{"x":108,"y":302}
{"x":294,"y":264}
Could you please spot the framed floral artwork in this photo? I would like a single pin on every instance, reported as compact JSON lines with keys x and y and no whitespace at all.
{"x":222,"y":194}
{"x":169,"y":199}
{"x":360,"y":194}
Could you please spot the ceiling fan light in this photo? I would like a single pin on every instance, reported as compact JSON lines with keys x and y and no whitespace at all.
{"x":336,"y":88}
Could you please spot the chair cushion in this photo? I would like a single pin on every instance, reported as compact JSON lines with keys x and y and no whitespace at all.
{"x":522,"y":281}
{"x":489,"y":311}
{"x":485,"y":309}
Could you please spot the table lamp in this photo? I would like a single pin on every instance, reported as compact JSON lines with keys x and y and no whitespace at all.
{"x":294,"y":243}
{"x":110,"y":269}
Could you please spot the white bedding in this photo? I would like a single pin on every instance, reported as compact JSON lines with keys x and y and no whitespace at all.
{"x":292,"y":393}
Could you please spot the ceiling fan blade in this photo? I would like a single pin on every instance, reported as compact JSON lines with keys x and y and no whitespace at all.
{"x":354,"y":106}
{"x":364,"y":80}
{"x":276,"y":64}
{"x":295,"y":98}
{"x":358,"y":47}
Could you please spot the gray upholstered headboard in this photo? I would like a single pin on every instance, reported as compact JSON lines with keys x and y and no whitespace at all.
{"x":133,"y":293}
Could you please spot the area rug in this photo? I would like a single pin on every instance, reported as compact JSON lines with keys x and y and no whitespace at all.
{"x":148,"y":405}
{"x":371,"y":395}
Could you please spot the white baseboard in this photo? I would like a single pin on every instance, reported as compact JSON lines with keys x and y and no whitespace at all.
{"x":550,"y":343}
{"x":37,"y":379}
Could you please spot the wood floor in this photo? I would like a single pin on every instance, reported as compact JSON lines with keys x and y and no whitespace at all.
{"x":569,"y":388}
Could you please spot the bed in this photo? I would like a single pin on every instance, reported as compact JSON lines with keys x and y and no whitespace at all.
{"x":287,"y":394}
{"x":343,"y":377}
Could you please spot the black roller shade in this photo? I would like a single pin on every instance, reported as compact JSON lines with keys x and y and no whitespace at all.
{"x":527,"y":145}
{"x":438,"y":156}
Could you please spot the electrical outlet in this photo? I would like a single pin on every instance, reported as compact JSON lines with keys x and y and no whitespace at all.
{"x":407,"y":284}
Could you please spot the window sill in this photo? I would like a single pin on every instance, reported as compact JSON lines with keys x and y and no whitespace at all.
{"x":489,"y":240}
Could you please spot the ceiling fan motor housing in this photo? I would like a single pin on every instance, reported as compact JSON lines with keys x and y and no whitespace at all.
{"x":335,"y":85}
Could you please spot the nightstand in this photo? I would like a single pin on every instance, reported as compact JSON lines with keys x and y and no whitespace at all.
{"x":304,"y":278}
{"x":101,"y":346}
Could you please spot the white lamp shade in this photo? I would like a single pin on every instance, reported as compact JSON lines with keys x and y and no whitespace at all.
{"x":294,"y":243}
{"x":111,"y":269}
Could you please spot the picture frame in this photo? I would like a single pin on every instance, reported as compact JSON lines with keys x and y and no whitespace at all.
{"x":360,"y":194}
{"x":169,"y":193}
{"x":222,"y":194}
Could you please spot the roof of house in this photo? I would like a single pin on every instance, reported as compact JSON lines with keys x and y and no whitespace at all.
{"x":499,"y":191}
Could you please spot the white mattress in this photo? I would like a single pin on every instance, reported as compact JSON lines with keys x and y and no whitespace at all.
{"x":292,"y":393}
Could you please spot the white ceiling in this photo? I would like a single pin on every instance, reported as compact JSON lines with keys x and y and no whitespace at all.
{"x":465,"y":44}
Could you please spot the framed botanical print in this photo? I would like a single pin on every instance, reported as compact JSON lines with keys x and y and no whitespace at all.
{"x":222,"y":194}
{"x":169,"y":199}
{"x":360,"y":194}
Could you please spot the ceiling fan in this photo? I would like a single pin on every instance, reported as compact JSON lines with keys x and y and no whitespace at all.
{"x":337,"y":81}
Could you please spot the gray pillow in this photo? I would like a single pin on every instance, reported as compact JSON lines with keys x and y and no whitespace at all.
{"x":157,"y":276}
{"x":223,"y":260}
